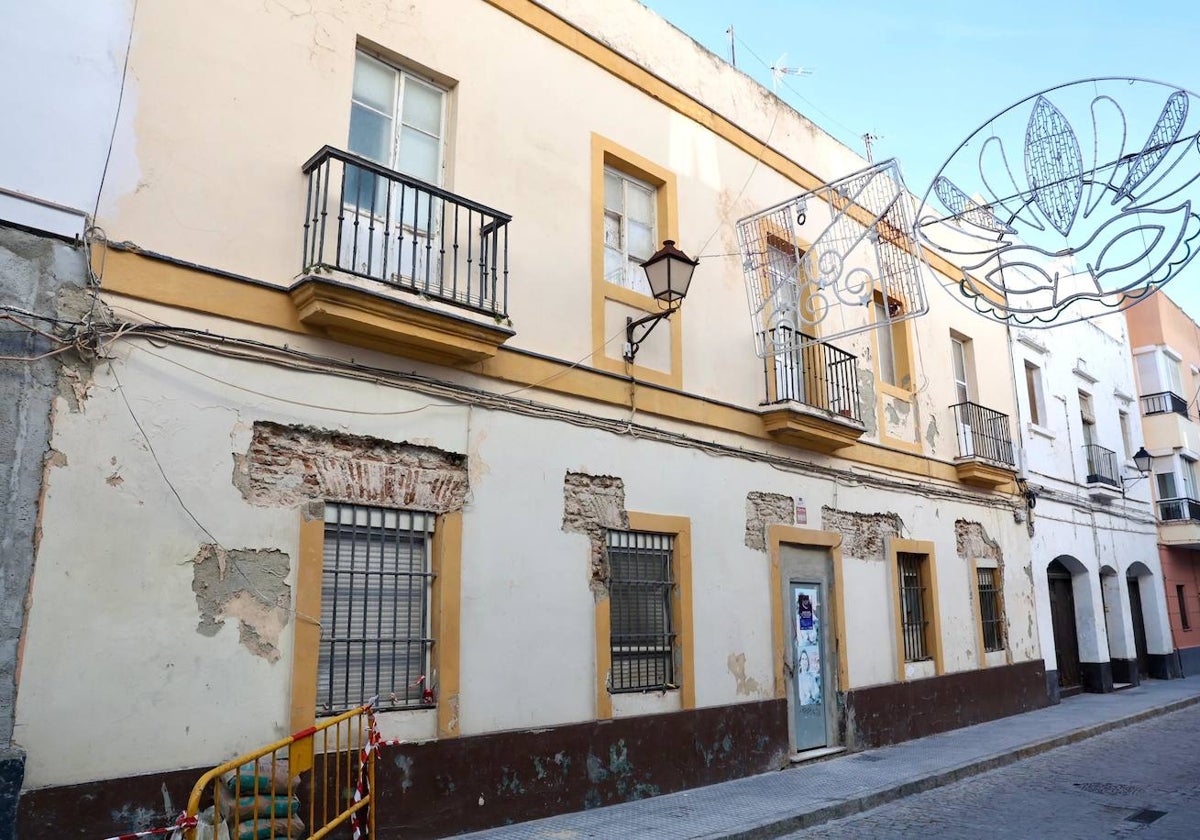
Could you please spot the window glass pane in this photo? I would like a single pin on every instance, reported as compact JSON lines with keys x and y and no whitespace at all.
{"x":958,"y":358}
{"x":641,"y":240}
{"x":613,"y":199}
{"x":641,"y":203}
{"x":1173,"y":379}
{"x":635,"y":277}
{"x":612,"y":231}
{"x":370,"y":134}
{"x":375,"y":84}
{"x":1147,"y":373}
{"x":422,"y":107}
{"x":419,"y":155}
{"x":1166,"y":485}
{"x":1034,"y":387}
{"x":887,"y":357}
{"x":614,"y":266}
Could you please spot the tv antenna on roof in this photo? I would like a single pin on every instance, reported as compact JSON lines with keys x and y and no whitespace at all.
{"x":780,"y":69}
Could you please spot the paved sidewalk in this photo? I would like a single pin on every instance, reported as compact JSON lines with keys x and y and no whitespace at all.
{"x":774,"y":804}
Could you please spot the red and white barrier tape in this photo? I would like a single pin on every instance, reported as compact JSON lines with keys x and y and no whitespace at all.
{"x":184,"y":821}
{"x":374,"y":742}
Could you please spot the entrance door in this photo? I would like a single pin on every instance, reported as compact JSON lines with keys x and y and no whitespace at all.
{"x":1139,"y":627}
{"x":809,"y":662}
{"x":1062,"y":617}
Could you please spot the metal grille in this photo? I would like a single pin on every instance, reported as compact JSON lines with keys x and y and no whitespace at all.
{"x":1184,"y":622}
{"x":1164,"y":402}
{"x":819,"y":375}
{"x":640,"y":587}
{"x":983,"y":433}
{"x":1101,"y":465}
{"x":989,"y":610}
{"x":912,"y":606}
{"x":1172,"y":510}
{"x":375,"y":598}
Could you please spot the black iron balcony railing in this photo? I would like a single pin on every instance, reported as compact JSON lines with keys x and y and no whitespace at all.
{"x":1175,"y":510}
{"x":367,"y":220}
{"x":1164,"y":402}
{"x":1101,"y":465}
{"x":983,"y":433}
{"x":818,"y":374}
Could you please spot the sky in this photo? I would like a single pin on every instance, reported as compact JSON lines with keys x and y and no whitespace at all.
{"x":922,"y":76}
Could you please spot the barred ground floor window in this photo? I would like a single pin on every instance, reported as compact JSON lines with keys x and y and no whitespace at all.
{"x":643,"y":636}
{"x":375,"y":608}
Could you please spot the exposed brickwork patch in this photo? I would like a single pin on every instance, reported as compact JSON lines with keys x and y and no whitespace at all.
{"x":290,"y":465}
{"x":864,"y":535}
{"x":973,"y":542}
{"x":592,"y":504}
{"x":764,"y":510}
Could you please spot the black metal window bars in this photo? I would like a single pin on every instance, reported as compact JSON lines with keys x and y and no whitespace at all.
{"x":640,"y":585}
{"x":989,"y":610}
{"x":1177,"y":510}
{"x":817,"y":374}
{"x":1101,"y":465}
{"x":1164,"y":402}
{"x":372,"y":222}
{"x":375,"y":603}
{"x":983,"y":433}
{"x":914,"y":624}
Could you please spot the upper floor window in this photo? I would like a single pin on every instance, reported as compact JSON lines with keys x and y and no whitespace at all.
{"x":1037,"y":402}
{"x":630,"y":229}
{"x":398,"y":121}
{"x":1126,"y":434}
{"x":959,"y":348}
{"x":1087,"y":415}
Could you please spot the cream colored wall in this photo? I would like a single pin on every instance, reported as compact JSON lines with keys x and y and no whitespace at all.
{"x":113,"y":605}
{"x":232,"y":98}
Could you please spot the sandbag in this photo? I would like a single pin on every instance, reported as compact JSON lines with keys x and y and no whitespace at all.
{"x":239,"y":809}
{"x":261,"y":777}
{"x":266,"y":829}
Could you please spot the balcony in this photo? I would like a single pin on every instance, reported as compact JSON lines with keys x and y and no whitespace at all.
{"x":1165,"y":402}
{"x":396,"y":264}
{"x":1101,"y":465}
{"x":985,"y":449}
{"x":812,"y":393}
{"x":1179,"y":522}
{"x":1178,"y":510}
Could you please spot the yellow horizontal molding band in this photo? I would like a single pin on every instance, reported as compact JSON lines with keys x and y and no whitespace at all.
{"x":158,"y":281}
{"x":587,"y":46}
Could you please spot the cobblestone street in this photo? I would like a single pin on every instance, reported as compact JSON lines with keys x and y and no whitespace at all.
{"x":1092,"y":789}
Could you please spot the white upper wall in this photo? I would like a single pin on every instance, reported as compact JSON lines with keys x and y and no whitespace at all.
{"x":62,"y":62}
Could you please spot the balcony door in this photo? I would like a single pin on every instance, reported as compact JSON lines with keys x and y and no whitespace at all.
{"x":962,"y":394}
{"x":799,"y":374}
{"x":389,"y":230}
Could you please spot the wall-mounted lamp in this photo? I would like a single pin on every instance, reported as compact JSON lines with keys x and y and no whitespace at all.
{"x":669,"y":272}
{"x":1142,"y":460}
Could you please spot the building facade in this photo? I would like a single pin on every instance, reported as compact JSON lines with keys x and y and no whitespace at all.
{"x":357,"y":420}
{"x":1102,"y":618}
{"x":1166,"y":351}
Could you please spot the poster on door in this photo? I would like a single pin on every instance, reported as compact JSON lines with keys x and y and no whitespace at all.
{"x":808,"y":647}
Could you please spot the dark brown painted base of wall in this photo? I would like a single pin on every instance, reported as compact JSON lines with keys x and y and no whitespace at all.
{"x":1126,"y":671}
{"x":464,"y":784}
{"x":1053,"y":689}
{"x":105,"y":808}
{"x":1097,"y":677}
{"x":888,"y":714}
{"x":1189,"y":661}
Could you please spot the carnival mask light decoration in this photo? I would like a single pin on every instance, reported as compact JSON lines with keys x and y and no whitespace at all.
{"x":1077,"y":201}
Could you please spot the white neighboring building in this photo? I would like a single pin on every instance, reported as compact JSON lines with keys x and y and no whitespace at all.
{"x":1101,"y":611}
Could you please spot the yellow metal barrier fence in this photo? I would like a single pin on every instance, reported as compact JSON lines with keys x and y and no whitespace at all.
{"x":304,"y":786}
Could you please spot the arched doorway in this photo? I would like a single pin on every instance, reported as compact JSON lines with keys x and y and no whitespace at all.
{"x":1121,"y":651}
{"x":1062,"y":618}
{"x":1135,"y":574}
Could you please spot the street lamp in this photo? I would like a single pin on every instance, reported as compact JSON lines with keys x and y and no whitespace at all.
{"x":1142,"y":460}
{"x":669,"y":273}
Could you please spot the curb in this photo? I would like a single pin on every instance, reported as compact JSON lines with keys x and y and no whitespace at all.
{"x":778,"y":827}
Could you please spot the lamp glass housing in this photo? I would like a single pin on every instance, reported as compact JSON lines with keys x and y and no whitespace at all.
{"x":1142,"y":459}
{"x":669,"y":273}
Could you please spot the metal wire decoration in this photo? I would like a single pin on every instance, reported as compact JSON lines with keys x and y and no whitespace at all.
{"x":818,"y":263}
{"x":1101,"y":213}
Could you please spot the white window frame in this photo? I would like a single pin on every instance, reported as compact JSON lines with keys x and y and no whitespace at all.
{"x":402,"y":78}
{"x":633,"y":280}
{"x":886,"y":344}
{"x":1126,"y":433}
{"x":959,"y":359}
{"x":1034,"y":390}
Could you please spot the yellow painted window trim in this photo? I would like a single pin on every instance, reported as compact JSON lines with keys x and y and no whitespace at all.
{"x":680,"y":527}
{"x":777,"y":536}
{"x":976,"y":565}
{"x":606,"y":153}
{"x":446,"y":563}
{"x":896,"y":547}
